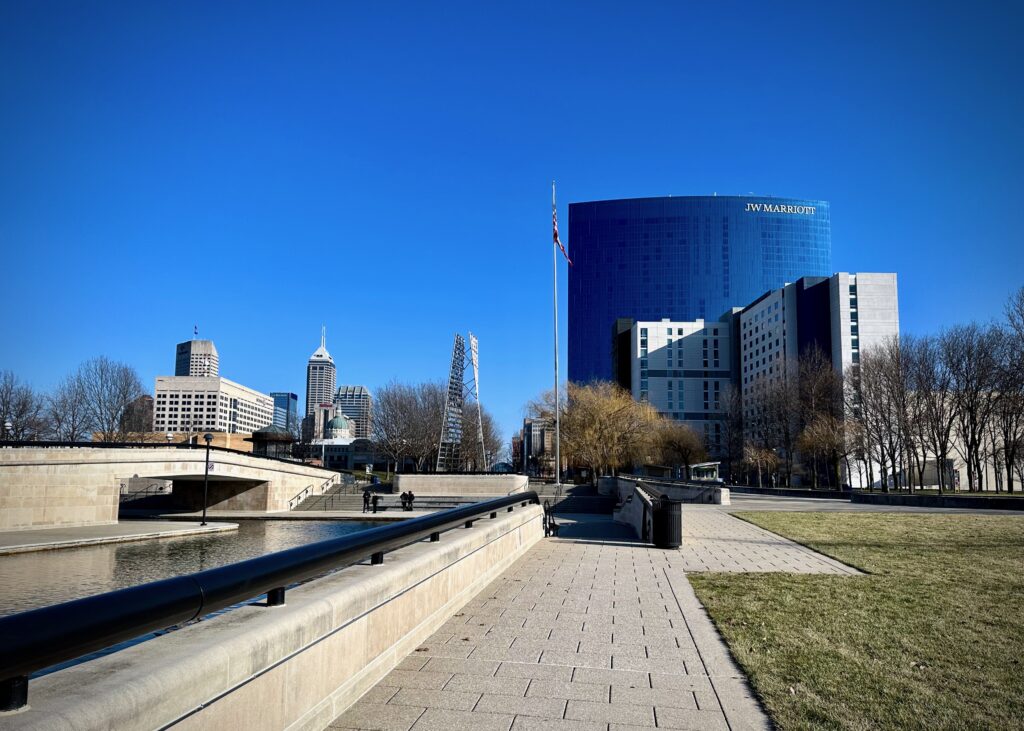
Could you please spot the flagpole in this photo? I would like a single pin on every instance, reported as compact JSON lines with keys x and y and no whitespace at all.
{"x":554,"y":289}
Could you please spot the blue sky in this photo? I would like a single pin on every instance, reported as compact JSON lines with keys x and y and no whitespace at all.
{"x":384,"y":168}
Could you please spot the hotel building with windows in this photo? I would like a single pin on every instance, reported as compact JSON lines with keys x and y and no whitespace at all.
{"x":686,"y":258}
{"x":188,"y":404}
{"x":684,"y":368}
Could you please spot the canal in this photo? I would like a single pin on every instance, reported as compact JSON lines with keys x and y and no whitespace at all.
{"x":39,"y":578}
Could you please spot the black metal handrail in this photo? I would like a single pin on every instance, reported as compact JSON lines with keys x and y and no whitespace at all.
{"x":39,"y":638}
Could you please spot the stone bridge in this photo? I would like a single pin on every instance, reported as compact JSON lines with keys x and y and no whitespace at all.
{"x":48,"y":486}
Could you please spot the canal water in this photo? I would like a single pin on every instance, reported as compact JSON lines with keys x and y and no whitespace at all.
{"x":39,"y":578}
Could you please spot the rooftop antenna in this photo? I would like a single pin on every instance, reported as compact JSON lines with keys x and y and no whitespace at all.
{"x":195,"y":331}
{"x":323,"y":336}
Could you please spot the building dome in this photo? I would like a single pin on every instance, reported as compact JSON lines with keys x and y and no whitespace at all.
{"x":338,"y":422}
{"x":338,"y":428}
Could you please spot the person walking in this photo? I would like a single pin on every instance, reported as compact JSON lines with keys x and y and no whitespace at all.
{"x":410,"y":499}
{"x":374,"y":500}
{"x":366,"y":500}
{"x":405,"y":501}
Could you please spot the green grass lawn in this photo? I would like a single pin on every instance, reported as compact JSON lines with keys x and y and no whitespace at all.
{"x":932,"y":637}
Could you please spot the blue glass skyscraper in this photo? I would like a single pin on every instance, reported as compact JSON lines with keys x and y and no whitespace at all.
{"x":682,"y":258}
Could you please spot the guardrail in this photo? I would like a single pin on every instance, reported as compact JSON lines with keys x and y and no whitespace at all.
{"x":39,"y":638}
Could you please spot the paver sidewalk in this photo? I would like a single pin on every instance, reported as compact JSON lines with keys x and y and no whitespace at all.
{"x":575,"y":635}
{"x":716,"y":541}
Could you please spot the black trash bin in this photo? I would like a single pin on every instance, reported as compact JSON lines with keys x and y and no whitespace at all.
{"x":668,"y":524}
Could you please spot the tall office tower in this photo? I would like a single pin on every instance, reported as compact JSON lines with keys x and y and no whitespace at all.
{"x":286,"y":410}
{"x":196,"y":358}
{"x":321,"y":376}
{"x":685,"y":258}
{"x":356,"y":403}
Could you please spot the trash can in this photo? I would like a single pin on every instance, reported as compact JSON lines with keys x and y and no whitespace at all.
{"x":668,"y":524}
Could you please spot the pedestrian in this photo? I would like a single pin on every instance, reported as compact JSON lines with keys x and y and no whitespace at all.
{"x":411,"y":498}
{"x":366,"y":500}
{"x":374,"y":500}
{"x":405,"y":501}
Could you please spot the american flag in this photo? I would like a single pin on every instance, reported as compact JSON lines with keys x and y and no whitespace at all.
{"x":554,"y":226}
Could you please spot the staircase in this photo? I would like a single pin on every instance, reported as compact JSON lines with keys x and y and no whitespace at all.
{"x":338,"y":499}
{"x":575,"y":499}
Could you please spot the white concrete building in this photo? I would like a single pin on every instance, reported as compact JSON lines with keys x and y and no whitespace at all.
{"x":321,"y":376}
{"x":201,"y":403}
{"x":683,"y":370}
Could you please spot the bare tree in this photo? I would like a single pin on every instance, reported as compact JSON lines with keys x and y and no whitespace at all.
{"x":392,"y":424}
{"x":1008,"y":411}
{"x":932,"y":384}
{"x":109,"y":389}
{"x":471,"y":438}
{"x":970,"y":353}
{"x":407,"y":422}
{"x":21,"y":410}
{"x":679,"y":445}
{"x":67,"y":411}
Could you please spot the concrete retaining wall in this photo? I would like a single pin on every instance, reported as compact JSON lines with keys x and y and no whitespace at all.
{"x":632,"y":513}
{"x":292,"y":667}
{"x":940,"y":501}
{"x":461,"y":484}
{"x":791,"y":492}
{"x":705,"y":494}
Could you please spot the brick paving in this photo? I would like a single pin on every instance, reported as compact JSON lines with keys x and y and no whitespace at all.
{"x":592,"y":630}
{"x":716,"y":541}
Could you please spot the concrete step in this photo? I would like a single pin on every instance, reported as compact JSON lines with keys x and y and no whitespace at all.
{"x":593,"y":504}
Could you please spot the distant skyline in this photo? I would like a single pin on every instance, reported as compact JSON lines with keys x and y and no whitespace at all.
{"x":261,"y":170}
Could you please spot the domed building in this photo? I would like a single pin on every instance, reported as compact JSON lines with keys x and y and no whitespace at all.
{"x":340,"y":427}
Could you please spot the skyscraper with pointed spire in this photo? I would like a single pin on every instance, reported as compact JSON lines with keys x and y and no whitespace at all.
{"x":321,"y":376}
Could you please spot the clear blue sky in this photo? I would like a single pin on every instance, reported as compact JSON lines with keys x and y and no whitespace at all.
{"x":384,"y":168}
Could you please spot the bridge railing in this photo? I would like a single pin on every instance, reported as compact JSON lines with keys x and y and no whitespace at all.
{"x":36,"y":639}
{"x":150,"y":445}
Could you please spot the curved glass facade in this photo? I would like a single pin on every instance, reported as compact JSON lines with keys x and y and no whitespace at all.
{"x":682,"y":258}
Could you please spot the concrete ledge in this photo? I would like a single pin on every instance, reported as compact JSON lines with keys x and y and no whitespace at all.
{"x":940,"y":501}
{"x":461,"y":484}
{"x":791,"y":492}
{"x":701,"y":494}
{"x":44,"y":539}
{"x":293,"y":667}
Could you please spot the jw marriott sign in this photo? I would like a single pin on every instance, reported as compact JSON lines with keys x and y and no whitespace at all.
{"x":776,"y":208}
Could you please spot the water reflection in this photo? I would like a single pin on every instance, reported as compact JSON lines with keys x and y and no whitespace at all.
{"x":36,"y":579}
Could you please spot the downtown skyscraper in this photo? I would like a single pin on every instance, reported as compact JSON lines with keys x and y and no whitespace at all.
{"x":321,"y":377}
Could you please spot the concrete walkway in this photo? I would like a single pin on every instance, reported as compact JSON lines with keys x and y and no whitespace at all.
{"x":42,"y":539}
{"x":713,"y":540}
{"x":591,"y":630}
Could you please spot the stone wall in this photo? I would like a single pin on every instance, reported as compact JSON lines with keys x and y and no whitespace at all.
{"x":461,"y":484}
{"x":293,"y":667}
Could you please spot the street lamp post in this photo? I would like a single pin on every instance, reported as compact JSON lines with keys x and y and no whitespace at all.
{"x":206,"y":477}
